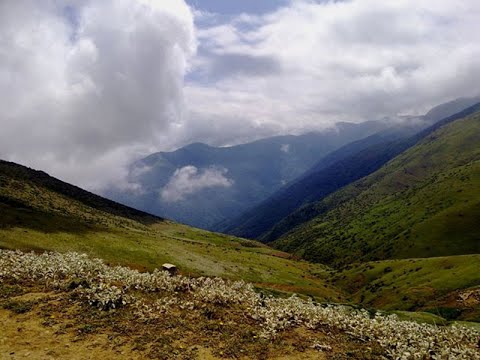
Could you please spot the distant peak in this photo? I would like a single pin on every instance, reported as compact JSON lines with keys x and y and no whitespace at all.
{"x":450,"y":108}
{"x":194,"y":148}
{"x":197,"y":145}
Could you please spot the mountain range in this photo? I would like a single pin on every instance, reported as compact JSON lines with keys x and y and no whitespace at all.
{"x":227,"y":188}
{"x":425,"y":202}
{"x":403,"y":237}
{"x":202,"y":186}
{"x":42,"y":213}
{"x":273,"y":217}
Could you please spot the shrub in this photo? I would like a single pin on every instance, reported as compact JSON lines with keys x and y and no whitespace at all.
{"x":111,"y":287}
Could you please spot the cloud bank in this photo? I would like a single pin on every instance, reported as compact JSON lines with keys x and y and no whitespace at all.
{"x":312,"y":63}
{"x":86,"y":85}
{"x":189,"y":180}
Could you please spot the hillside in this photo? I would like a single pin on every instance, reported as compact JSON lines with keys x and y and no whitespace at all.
{"x":64,"y":304}
{"x":336,"y":170}
{"x":423,"y":203}
{"x":202,"y":185}
{"x":42,"y":213}
{"x":69,"y":306}
{"x":448,"y":286}
{"x":450,"y":108}
{"x":339,"y":168}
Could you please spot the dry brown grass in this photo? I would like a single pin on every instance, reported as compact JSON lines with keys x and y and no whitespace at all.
{"x":54,"y":326}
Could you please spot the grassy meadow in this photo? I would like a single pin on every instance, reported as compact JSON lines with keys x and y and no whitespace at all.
{"x":36,"y":218}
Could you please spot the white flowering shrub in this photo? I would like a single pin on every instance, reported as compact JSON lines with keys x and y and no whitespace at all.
{"x":104,"y":296}
{"x":109,"y":288}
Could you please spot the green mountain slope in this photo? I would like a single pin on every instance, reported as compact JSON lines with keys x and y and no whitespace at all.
{"x":434,"y":285}
{"x":41,"y":213}
{"x":273,"y":217}
{"x":423,"y":203}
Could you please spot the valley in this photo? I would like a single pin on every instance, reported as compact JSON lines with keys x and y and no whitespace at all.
{"x":354,"y":253}
{"x":249,"y":180}
{"x":401,"y":243}
{"x":36,"y":217}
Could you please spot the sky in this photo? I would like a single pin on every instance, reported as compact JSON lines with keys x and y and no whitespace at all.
{"x":234,"y":8}
{"x":88,"y":86}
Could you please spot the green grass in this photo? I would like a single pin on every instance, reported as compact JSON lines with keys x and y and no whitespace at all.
{"x":411,"y":284}
{"x":473,"y":325}
{"x":34,"y":217}
{"x":194,"y":253}
{"x":423,"y":203}
{"x":420,"y":317}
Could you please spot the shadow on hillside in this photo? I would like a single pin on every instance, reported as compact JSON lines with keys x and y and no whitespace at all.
{"x":43,"y":180}
{"x":17,"y":215}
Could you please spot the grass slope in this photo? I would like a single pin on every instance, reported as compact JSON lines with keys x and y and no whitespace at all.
{"x":423,"y":203}
{"x":433,"y":285}
{"x":41,"y":213}
{"x":36,"y":216}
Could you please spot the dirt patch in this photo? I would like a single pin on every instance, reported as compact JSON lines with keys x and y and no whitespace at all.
{"x":35,"y":296}
{"x":25,"y":337}
{"x":470,"y":297}
{"x":55,"y":327}
{"x":310,"y":355}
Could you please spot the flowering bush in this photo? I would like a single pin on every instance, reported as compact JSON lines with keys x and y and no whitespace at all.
{"x":111,"y":287}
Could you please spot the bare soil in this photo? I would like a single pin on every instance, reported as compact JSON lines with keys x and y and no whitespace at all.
{"x":35,"y":324}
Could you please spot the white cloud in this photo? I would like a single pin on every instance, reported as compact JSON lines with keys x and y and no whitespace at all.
{"x":312,"y":63}
{"x":189,"y":180}
{"x":285,"y":148}
{"x":86,"y":86}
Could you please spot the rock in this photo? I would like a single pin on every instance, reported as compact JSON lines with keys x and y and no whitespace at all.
{"x":321,"y":347}
{"x":172,"y":269}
